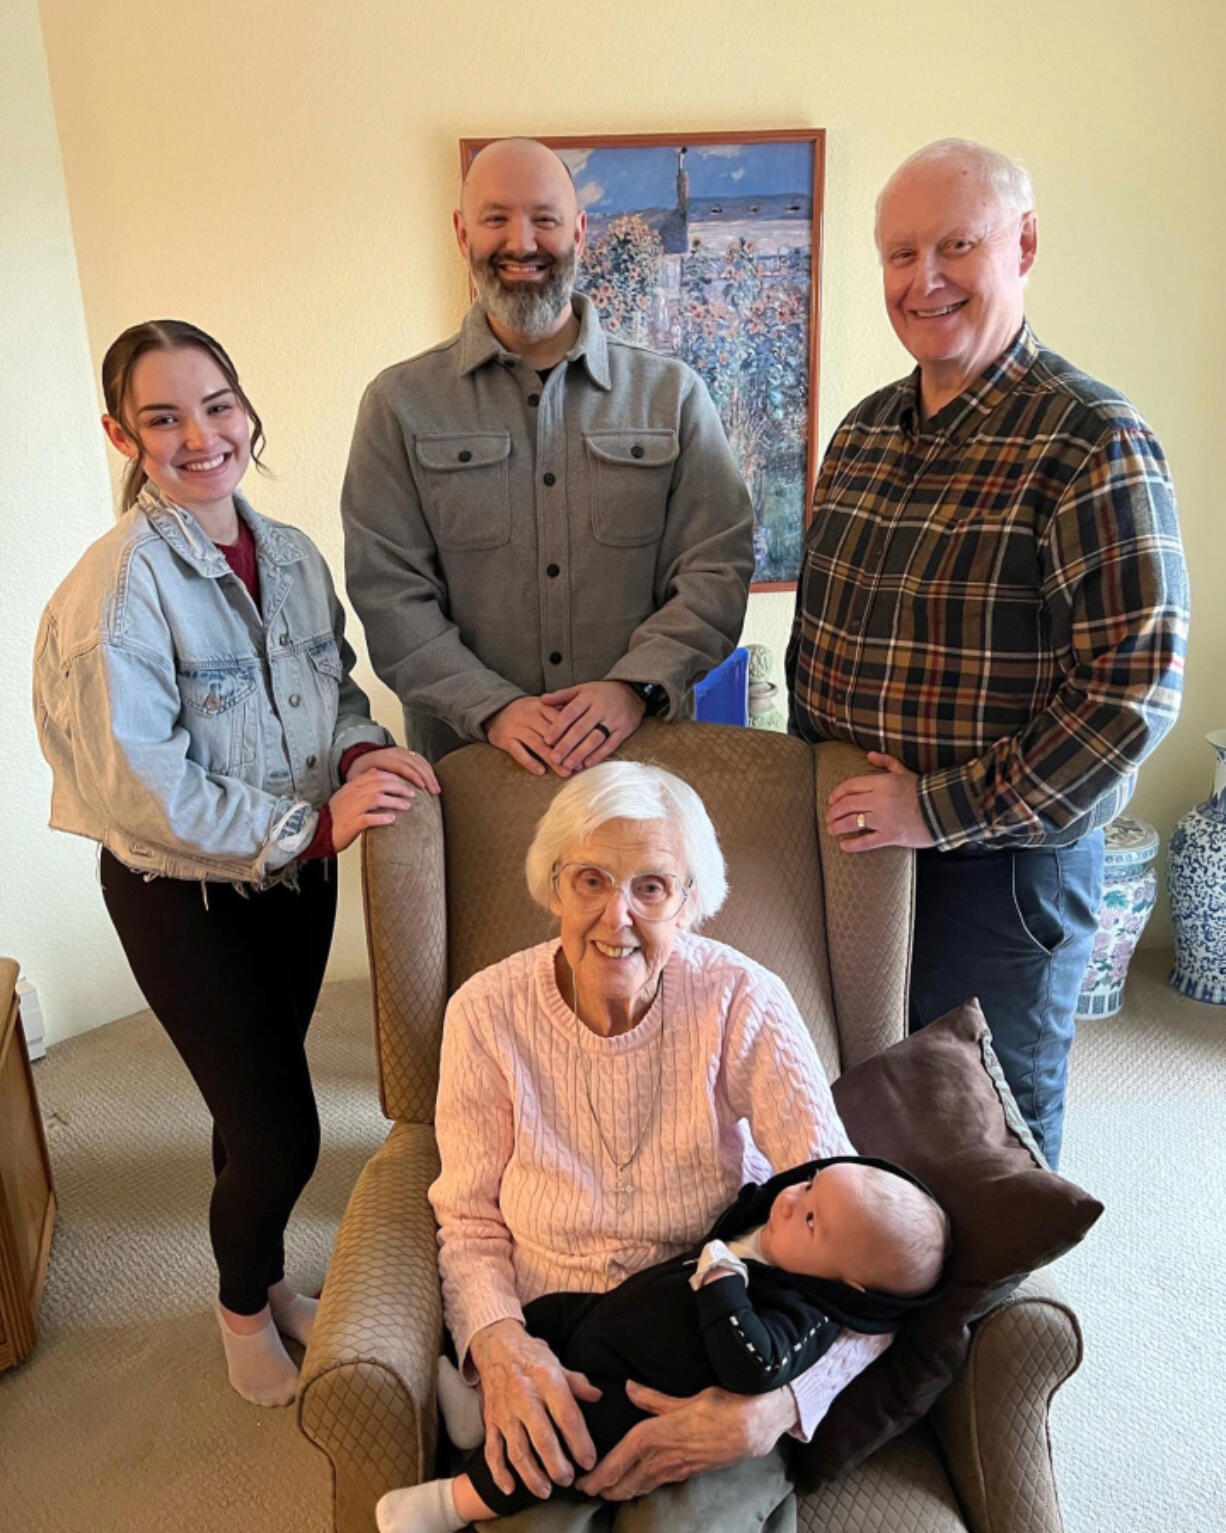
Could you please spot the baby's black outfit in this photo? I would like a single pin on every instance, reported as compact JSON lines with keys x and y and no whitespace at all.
{"x":748,"y":1336}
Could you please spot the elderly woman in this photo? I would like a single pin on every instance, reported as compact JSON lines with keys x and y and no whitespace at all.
{"x":601,"y":1098}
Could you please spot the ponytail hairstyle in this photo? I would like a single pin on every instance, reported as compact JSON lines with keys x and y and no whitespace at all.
{"x":163,"y":335}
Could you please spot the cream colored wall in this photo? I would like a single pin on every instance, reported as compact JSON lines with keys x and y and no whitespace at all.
{"x":54,"y":498}
{"x":283,"y":173}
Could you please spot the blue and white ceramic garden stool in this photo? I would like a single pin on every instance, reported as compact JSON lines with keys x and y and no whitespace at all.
{"x":1130,"y":891}
{"x":1196,"y":876}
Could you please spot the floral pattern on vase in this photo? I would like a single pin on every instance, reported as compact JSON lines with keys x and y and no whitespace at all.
{"x":1130,"y":892}
{"x":1197,"y":876}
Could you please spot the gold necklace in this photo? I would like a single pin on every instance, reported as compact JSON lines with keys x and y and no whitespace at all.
{"x":622,"y":1185}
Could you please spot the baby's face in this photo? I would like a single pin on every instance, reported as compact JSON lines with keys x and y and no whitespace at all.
{"x":824,"y":1227}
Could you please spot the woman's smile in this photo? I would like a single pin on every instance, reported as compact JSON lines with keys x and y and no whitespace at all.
{"x":614,"y":955}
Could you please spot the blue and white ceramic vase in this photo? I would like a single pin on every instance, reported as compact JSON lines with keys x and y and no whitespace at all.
{"x":1130,"y":892}
{"x":1197,"y":877}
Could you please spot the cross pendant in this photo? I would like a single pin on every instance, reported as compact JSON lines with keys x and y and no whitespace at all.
{"x":622,"y":1187}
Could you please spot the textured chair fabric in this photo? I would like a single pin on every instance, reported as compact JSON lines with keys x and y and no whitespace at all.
{"x":445,"y":897}
{"x":1000,"y":1455}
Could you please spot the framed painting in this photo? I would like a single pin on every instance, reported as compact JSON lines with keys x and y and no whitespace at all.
{"x":707,"y":247}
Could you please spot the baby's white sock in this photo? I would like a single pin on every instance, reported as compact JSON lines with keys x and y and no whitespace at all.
{"x":260,"y":1368}
{"x":460,"y":1404}
{"x":428,"y":1508}
{"x":294,"y":1317}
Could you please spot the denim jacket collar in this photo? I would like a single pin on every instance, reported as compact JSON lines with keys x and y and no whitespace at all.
{"x":182,"y":532}
{"x":479,"y":344}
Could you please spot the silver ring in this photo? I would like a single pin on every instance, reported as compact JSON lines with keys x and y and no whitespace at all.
{"x":862,"y":821}
{"x":604,"y":729}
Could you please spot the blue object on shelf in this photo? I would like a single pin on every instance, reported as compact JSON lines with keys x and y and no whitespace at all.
{"x":722,"y":696}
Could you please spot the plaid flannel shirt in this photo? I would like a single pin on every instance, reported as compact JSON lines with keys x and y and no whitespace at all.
{"x":997,"y":596}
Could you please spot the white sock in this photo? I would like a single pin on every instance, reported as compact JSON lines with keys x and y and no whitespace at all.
{"x":294,"y":1317}
{"x":428,"y":1508}
{"x":260,"y":1368}
{"x":460,"y":1404}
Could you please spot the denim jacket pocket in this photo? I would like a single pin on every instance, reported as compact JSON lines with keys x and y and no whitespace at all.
{"x":219,"y":713}
{"x":326,"y":668}
{"x":466,"y":488}
{"x":631,"y":476}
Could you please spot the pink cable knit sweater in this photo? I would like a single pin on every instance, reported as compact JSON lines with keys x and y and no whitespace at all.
{"x":525,"y":1200}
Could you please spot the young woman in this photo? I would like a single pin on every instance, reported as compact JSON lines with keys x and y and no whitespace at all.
{"x":194,"y":699}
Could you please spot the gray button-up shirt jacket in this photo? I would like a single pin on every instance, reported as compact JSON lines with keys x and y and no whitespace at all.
{"x":506,"y":536}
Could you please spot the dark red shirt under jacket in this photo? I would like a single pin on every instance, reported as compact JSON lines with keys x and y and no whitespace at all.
{"x":241,"y":558}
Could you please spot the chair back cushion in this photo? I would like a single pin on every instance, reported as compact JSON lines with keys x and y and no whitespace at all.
{"x":446,"y":894}
{"x":758,"y":788}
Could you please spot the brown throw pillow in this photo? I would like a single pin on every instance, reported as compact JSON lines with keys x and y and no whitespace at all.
{"x":937,"y":1104}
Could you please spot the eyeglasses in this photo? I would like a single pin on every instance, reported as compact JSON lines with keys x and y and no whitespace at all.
{"x":584,"y":888}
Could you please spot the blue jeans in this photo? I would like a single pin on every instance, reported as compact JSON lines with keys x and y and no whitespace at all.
{"x":1014,"y":928}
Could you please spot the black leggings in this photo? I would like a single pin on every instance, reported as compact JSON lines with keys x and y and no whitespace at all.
{"x":234,"y":982}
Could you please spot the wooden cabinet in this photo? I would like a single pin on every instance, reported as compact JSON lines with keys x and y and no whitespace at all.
{"x":27,"y":1197}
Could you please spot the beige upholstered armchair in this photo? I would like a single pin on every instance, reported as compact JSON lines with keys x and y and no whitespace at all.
{"x":445,"y":896}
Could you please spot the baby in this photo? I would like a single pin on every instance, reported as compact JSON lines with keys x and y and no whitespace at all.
{"x":846,"y":1243}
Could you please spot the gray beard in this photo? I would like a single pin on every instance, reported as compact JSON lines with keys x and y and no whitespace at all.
{"x":532,"y":312}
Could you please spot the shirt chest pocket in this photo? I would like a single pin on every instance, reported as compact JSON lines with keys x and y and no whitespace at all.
{"x":465,"y":486}
{"x":631,"y":474}
{"x":219,"y":713}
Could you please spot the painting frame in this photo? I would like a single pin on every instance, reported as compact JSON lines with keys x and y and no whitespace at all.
{"x":728,"y":141}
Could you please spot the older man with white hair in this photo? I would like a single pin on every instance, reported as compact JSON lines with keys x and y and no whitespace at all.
{"x":546,"y":535}
{"x":993,"y":603}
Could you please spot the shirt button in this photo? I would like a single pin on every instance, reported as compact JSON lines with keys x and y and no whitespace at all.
{"x":311,"y":760}
{"x":534,"y":399}
{"x":553,"y":570}
{"x":294,"y":700}
{"x":465,"y":456}
{"x":636,"y":451}
{"x":551,"y":479}
{"x":555,"y":658}
{"x":212,"y":702}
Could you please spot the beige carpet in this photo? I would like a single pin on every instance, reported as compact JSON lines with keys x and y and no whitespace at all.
{"x":1139,"y":1428}
{"x":122,"y":1422}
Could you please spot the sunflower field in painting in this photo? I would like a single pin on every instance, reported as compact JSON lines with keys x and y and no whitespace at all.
{"x":705,"y":254}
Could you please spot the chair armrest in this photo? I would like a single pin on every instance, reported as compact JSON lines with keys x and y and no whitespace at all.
{"x":870,"y":903}
{"x":404,"y":891}
{"x":367,"y":1392}
{"x":992,"y":1422}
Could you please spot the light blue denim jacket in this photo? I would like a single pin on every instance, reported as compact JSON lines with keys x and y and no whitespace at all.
{"x":189,"y":733}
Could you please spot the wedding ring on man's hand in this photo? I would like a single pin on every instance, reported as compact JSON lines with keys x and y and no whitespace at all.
{"x":604,"y":729}
{"x":862,"y":821}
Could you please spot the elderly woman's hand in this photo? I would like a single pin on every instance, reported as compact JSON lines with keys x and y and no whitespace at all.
{"x":685,"y":1437}
{"x":528,"y":1398}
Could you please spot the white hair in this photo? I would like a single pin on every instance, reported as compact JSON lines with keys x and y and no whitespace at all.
{"x":1008,"y":180}
{"x":628,"y":790}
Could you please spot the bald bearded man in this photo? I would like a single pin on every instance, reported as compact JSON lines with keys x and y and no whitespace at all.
{"x":546,"y":535}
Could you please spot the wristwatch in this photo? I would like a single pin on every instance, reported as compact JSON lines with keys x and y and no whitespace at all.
{"x":652,"y":695}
